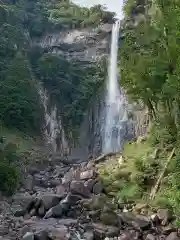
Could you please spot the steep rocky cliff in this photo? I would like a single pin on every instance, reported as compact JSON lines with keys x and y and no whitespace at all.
{"x":85,"y":45}
{"x":63,"y":50}
{"x":86,"y":48}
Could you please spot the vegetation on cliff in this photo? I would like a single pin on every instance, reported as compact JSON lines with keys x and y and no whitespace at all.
{"x":20,"y":22}
{"x":21,"y":65}
{"x":150,"y":72}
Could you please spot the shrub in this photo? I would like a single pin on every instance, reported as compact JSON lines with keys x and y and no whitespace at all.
{"x":130,"y":192}
{"x":9,"y":173}
{"x":9,"y":178}
{"x":138,"y":178}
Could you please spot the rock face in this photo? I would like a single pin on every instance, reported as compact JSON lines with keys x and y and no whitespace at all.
{"x":77,"y":210}
{"x":86,"y":45}
{"x":93,"y":127}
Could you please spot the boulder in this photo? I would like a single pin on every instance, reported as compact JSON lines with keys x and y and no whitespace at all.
{"x":77,"y":187}
{"x":41,"y":235}
{"x":32,"y":212}
{"x":28,"y":183}
{"x":138,"y":207}
{"x":60,"y":233}
{"x":88,"y":235}
{"x":28,"y":236}
{"x":89,"y":174}
{"x":97,"y":202}
{"x":151,"y":237}
{"x":60,"y":171}
{"x":41,"y":211}
{"x":128,"y":235}
{"x":72,"y":199}
{"x":124,"y":236}
{"x":50,"y":200}
{"x":33,"y":170}
{"x":95,"y":215}
{"x":58,"y":210}
{"x":40,"y":180}
{"x":101,"y":231}
{"x":173,"y":236}
{"x":68,"y":177}
{"x":37,"y":225}
{"x":37,"y":203}
{"x":97,"y":188}
{"x":19,"y":212}
{"x":22,"y":204}
{"x":168,"y":229}
{"x":24,"y":230}
{"x":4,"y":230}
{"x":54,"y":183}
{"x":165,"y":215}
{"x":155,"y":219}
{"x":61,"y":191}
{"x":48,"y":214}
{"x":136,"y":221}
{"x":22,"y":199}
{"x":89,"y":184}
{"x":109,"y":217}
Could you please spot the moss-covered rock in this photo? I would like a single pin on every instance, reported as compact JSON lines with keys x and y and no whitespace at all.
{"x":109,"y":217}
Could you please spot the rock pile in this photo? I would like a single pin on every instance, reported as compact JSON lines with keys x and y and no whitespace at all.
{"x":67,"y":202}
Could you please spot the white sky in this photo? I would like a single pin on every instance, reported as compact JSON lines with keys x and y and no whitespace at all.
{"x":112,"y":5}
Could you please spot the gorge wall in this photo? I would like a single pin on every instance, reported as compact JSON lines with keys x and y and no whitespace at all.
{"x":84,"y":48}
{"x":54,"y":54}
{"x":51,"y":59}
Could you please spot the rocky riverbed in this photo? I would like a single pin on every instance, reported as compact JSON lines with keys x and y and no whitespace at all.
{"x":62,"y":201}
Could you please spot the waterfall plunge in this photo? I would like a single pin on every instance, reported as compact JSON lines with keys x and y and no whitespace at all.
{"x":115,"y":112}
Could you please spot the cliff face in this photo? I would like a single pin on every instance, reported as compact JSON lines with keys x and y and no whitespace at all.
{"x":85,"y":45}
{"x":64,"y":57}
{"x":51,"y":54}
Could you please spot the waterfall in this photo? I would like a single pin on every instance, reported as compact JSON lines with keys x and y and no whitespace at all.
{"x":115,"y":101}
{"x":52,"y":130}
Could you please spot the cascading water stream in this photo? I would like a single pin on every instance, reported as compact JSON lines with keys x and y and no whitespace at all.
{"x":115,"y":112}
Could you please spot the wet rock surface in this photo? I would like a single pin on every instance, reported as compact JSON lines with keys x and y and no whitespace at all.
{"x":66,"y":203}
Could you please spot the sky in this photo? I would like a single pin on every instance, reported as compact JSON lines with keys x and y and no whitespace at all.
{"x":112,"y":5}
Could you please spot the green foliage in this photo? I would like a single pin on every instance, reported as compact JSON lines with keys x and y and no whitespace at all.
{"x":150,"y":67}
{"x":66,"y":14}
{"x":9,"y":174}
{"x":71,"y":86}
{"x":150,"y":63}
{"x":135,"y":177}
{"x":130,"y":192}
{"x":19,"y":98}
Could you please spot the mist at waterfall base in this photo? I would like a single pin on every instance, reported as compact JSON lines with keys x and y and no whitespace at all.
{"x":115,"y":101}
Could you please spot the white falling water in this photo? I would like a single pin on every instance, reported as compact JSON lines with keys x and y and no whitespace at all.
{"x":52,"y":129}
{"x":116,"y":114}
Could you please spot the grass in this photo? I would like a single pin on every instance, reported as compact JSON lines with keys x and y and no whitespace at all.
{"x":134,"y":177}
{"x":22,"y":141}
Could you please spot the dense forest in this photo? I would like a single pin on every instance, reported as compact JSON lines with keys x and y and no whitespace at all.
{"x":150,"y":71}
